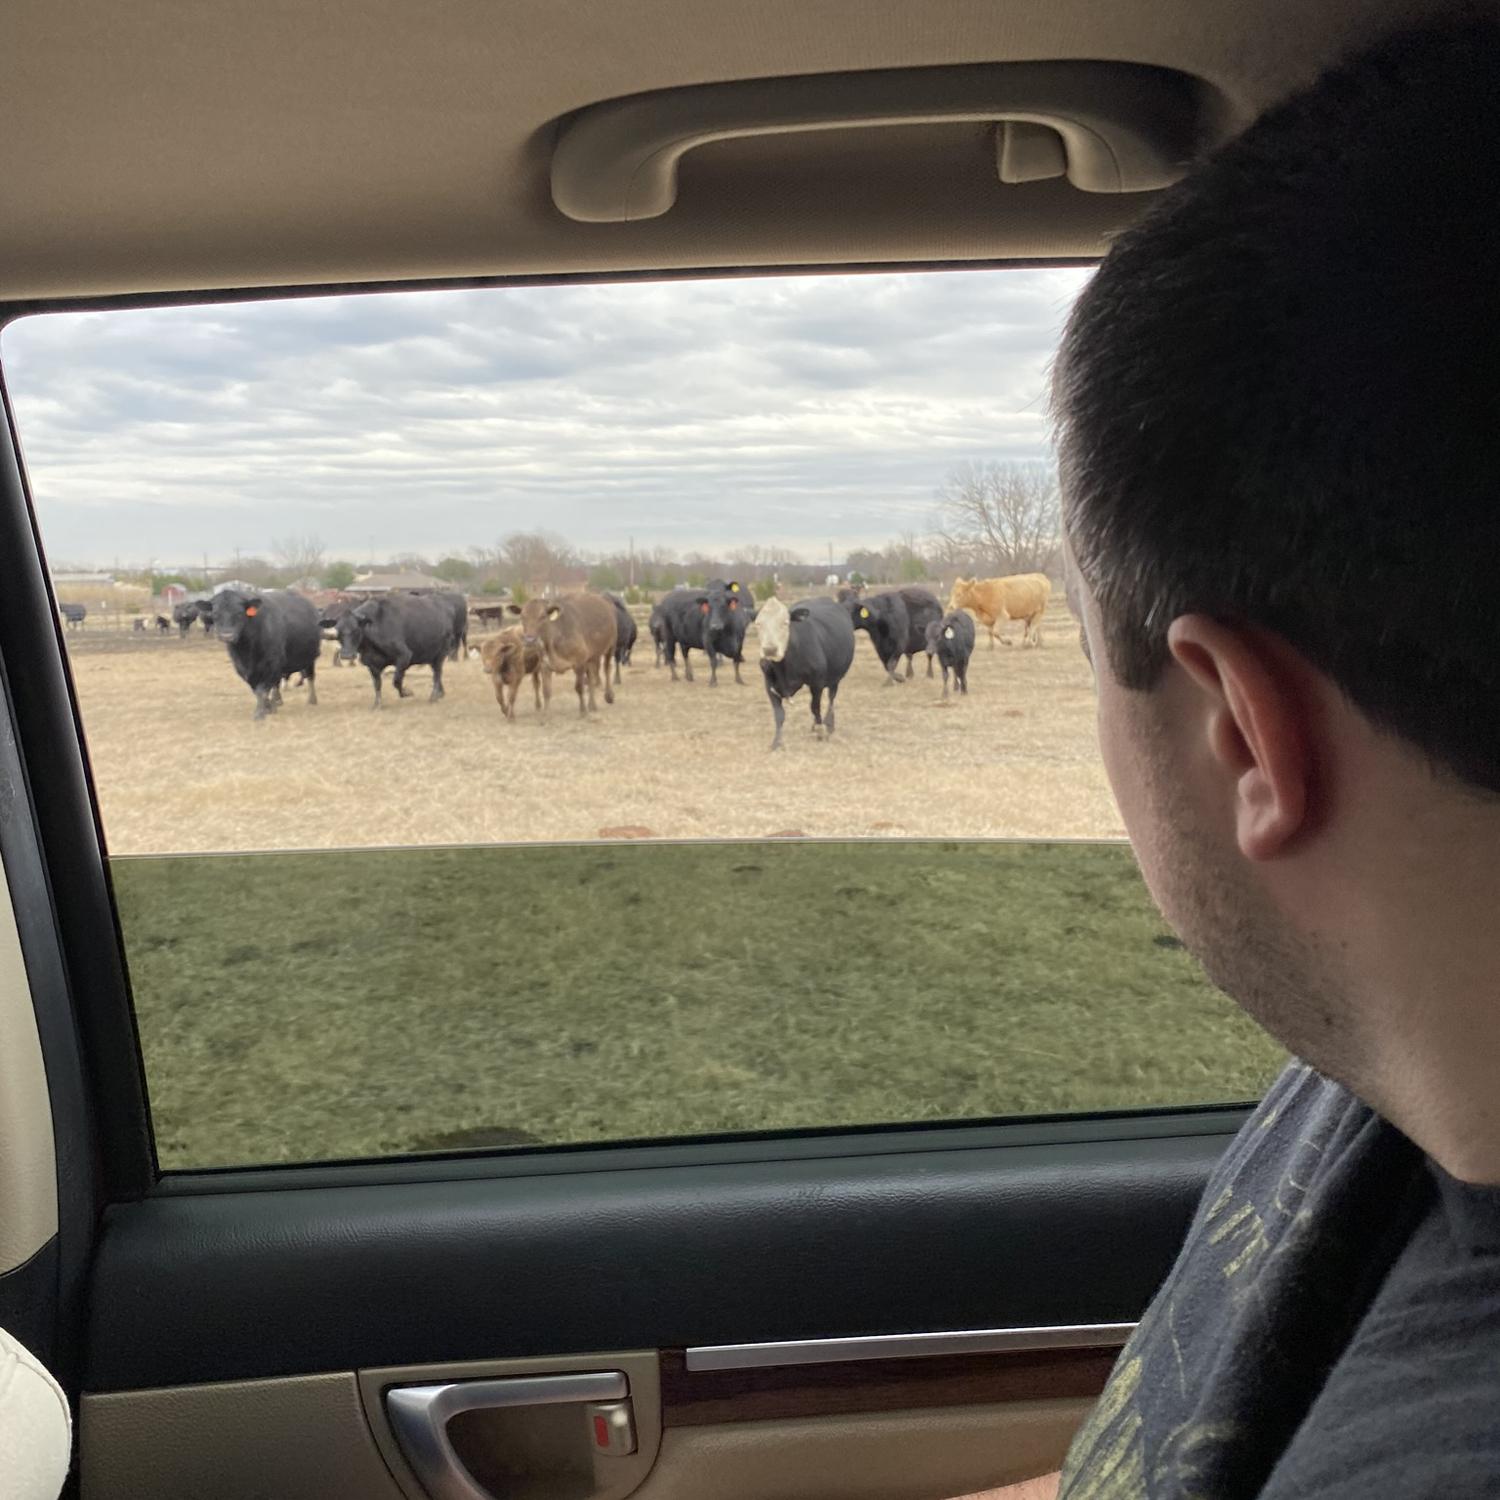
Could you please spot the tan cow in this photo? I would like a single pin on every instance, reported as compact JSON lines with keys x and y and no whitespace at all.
{"x":576,"y":633}
{"x":993,"y":601}
{"x":509,"y":661}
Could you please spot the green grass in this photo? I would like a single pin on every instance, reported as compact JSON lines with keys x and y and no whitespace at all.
{"x":302,"y":1006}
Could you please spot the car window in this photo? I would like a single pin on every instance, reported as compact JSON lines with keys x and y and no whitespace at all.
{"x":430,"y":648}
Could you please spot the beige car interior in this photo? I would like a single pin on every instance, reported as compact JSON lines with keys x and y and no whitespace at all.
{"x":162,"y":147}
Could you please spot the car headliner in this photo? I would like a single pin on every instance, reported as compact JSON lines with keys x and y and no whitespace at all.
{"x":181,"y":144}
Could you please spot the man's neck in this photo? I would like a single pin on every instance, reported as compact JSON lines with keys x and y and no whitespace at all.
{"x":1423,"y":985}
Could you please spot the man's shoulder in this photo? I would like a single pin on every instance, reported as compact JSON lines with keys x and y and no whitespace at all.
{"x":1303,"y":1114}
{"x":1410,"y":1406}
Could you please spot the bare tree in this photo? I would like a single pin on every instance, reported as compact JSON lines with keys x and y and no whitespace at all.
{"x":300,"y":556}
{"x":532,"y":558}
{"x":1000,"y":517}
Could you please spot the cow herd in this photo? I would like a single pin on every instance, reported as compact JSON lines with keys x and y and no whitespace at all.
{"x":273,"y":635}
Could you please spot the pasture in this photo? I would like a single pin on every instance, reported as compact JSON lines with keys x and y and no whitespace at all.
{"x":304,"y":1005}
{"x":297,"y":1006}
{"x":180,"y":766}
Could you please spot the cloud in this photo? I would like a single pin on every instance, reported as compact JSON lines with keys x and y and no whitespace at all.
{"x":792,"y":410}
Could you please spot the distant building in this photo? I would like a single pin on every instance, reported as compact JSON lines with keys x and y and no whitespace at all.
{"x":389,"y":583}
{"x":104,"y":580}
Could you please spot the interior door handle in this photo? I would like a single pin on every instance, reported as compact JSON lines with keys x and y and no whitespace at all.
{"x":419,"y":1415}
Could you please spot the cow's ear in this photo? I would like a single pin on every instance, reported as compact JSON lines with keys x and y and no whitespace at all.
{"x":554,"y":612}
{"x":513,"y":609}
{"x":802,"y":612}
{"x":252,"y":604}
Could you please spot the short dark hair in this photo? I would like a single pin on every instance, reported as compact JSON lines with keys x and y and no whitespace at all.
{"x":1278,"y":399}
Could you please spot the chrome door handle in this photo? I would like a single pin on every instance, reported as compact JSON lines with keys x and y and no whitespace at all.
{"x":419,"y":1416}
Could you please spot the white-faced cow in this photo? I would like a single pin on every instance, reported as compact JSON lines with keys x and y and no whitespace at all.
{"x":576,"y":633}
{"x":398,"y":631}
{"x":810,"y":645}
{"x":270,"y":635}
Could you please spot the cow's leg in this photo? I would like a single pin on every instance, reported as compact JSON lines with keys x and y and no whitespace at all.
{"x":262,"y":702}
{"x":929,"y":664}
{"x":817,"y":711}
{"x":687,"y":664}
{"x":536,"y":691}
{"x":739,"y":681}
{"x":833,"y":693}
{"x":312,"y":685}
{"x":617,"y":672}
{"x":545,"y":675}
{"x":398,"y":678}
{"x":580,"y":676}
{"x":375,"y":678}
{"x":609,"y":690}
{"x":669,"y":649}
{"x":911,"y":671}
{"x":778,"y":712}
{"x":437,"y":681}
{"x":991,"y":628}
{"x":713,"y":665}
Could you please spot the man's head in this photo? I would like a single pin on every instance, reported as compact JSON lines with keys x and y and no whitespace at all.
{"x":1277,"y":411}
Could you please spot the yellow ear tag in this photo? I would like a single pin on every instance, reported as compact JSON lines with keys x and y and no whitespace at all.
{"x":864,"y":614}
{"x":553,"y":613}
{"x":734,"y":588}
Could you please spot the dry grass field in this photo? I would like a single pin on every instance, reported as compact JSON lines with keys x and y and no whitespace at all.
{"x":181,"y":766}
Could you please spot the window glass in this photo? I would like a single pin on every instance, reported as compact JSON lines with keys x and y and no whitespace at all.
{"x":433,"y":923}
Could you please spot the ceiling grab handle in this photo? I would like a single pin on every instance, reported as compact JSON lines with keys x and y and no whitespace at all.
{"x":1108,"y":127}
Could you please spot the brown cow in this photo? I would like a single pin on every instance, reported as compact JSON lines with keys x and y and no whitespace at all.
{"x":576,"y":632}
{"x":509,"y":661}
{"x":993,"y":601}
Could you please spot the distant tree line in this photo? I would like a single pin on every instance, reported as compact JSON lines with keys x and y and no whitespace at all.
{"x":988,"y":518}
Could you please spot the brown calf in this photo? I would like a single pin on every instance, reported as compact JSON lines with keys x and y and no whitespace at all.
{"x":509,"y":661}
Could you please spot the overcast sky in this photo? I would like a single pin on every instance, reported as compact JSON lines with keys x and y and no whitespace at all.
{"x":790,"y":411}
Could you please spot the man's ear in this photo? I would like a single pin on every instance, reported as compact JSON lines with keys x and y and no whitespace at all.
{"x":1255,"y":721}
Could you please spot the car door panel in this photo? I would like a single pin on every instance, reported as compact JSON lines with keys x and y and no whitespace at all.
{"x":304,"y":1281}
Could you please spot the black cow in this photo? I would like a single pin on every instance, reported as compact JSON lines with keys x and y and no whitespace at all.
{"x":400,"y":631}
{"x":194,"y":609}
{"x":656,"y":626}
{"x":74,"y":614}
{"x":270,"y":635}
{"x":713,"y":620}
{"x":896,"y":623}
{"x":458,"y":606}
{"x":951,"y":640}
{"x":810,"y":645}
{"x":163,"y":625}
{"x":626,"y":632}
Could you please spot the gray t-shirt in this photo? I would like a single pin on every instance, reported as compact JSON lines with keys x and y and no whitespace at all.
{"x":1331,"y":1330}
